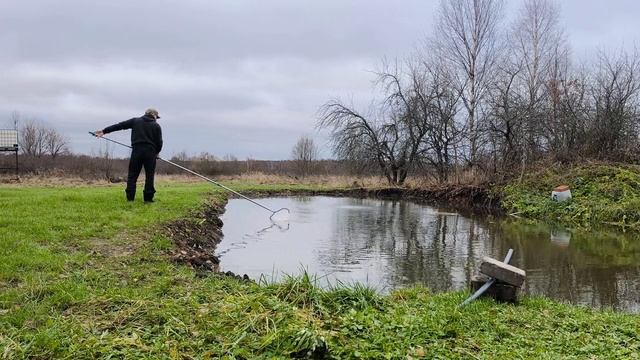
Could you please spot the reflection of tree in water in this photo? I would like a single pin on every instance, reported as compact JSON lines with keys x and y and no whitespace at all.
{"x":452,"y":248}
{"x":408,"y":243}
{"x":302,"y":199}
{"x":594,"y":268}
{"x":362,"y":229}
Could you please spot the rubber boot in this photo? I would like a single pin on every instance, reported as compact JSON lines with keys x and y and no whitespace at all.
{"x":131,"y":196}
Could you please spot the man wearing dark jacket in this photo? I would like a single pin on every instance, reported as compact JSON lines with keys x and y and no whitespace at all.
{"x":146,"y":141}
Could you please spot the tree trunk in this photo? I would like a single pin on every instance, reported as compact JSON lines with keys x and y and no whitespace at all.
{"x":403,"y":177}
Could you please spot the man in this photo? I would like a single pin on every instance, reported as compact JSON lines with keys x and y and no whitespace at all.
{"x":146,"y":141}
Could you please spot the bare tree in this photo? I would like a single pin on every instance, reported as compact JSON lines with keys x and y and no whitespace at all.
{"x":505,"y":125}
{"x":615,"y":115}
{"x":565,"y":128}
{"x":304,"y":154}
{"x":466,"y":39}
{"x":206,"y":163}
{"x":181,"y":156}
{"x":37,"y":140}
{"x":55,"y":143}
{"x":106,"y":160}
{"x":467,"y":99}
{"x":444,"y":132}
{"x":409,"y":107}
{"x":539,"y":45}
{"x":231,"y":164}
{"x":367,"y":140}
{"x":390,"y":136}
{"x":32,"y":138}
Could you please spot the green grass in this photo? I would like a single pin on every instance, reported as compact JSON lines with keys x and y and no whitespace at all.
{"x":601,"y":195}
{"x":85,"y":275}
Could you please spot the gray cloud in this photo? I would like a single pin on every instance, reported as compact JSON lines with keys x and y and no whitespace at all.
{"x":229,"y":76}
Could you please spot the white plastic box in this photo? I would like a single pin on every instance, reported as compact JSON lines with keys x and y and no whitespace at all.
{"x":561,"y":193}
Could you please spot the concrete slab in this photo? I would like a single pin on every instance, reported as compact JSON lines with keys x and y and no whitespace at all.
{"x":503,"y":272}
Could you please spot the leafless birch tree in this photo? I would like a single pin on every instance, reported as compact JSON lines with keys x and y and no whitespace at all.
{"x":538,"y":43}
{"x":467,"y":39}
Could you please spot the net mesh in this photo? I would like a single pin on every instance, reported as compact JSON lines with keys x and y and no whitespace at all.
{"x":8,"y":138}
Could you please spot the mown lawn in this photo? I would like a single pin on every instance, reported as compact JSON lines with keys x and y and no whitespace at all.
{"x":85,"y":275}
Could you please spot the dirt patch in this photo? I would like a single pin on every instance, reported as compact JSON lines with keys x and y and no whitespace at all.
{"x":196,"y":237}
{"x":124,"y":246}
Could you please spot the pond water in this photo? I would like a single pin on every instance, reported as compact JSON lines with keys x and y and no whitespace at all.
{"x":390,"y":244}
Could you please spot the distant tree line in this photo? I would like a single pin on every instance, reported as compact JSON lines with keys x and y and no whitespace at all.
{"x":103,"y":165}
{"x":491,"y":99}
{"x":44,"y":150}
{"x":36,"y":157}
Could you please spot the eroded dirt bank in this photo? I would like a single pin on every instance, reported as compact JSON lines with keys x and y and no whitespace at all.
{"x":460,"y":197}
{"x":196,"y":236}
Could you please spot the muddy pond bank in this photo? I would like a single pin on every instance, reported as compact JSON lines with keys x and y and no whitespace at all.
{"x":195,"y":237}
{"x":464,"y":198}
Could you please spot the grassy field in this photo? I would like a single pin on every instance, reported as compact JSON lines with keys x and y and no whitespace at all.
{"x":85,"y":275}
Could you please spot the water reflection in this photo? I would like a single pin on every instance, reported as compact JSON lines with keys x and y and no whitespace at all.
{"x":596,"y":268}
{"x":389,"y":244}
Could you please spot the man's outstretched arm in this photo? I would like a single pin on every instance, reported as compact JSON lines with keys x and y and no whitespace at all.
{"x":127,"y":124}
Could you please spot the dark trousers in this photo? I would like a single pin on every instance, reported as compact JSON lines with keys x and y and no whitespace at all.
{"x":142,"y":155}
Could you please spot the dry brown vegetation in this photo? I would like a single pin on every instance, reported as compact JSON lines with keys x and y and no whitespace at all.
{"x":249,"y":178}
{"x":253,"y":178}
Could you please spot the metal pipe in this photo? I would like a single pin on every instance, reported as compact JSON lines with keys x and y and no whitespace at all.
{"x":200,"y":176}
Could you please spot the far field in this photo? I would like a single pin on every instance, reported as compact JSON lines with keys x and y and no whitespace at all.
{"x":86,"y":275}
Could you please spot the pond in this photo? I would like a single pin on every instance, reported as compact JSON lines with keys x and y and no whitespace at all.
{"x":389,"y":244}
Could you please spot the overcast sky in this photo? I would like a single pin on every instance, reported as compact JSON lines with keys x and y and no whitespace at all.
{"x":228,"y":76}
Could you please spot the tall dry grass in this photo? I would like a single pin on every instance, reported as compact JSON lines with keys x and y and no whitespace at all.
{"x":250,"y":178}
{"x":257,"y":178}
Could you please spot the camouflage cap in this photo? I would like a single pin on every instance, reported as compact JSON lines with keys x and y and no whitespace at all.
{"x":153,"y":112}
